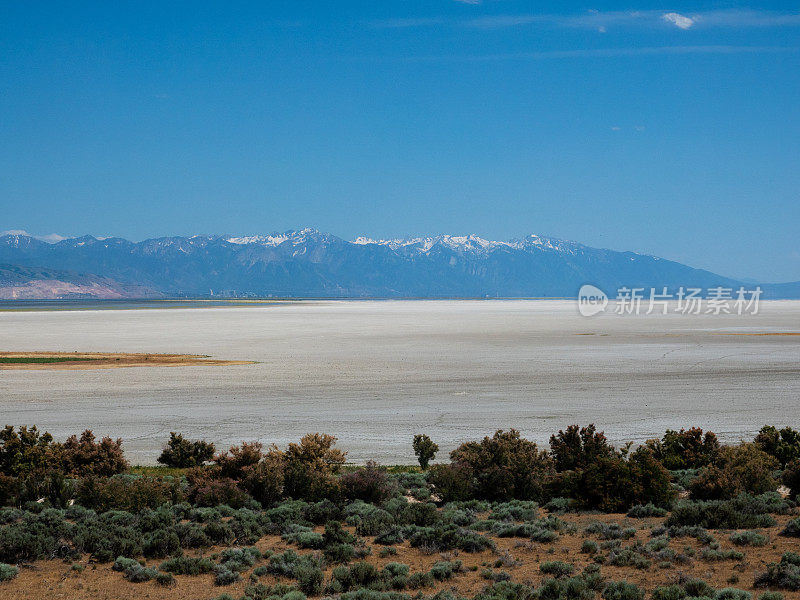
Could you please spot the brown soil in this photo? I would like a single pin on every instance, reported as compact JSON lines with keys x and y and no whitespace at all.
{"x":110,"y":360}
{"x":56,"y":579}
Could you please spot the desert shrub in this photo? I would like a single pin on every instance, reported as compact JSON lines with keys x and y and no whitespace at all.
{"x":742,"y":512}
{"x":682,"y":478}
{"x":25,"y":451}
{"x":259,"y":474}
{"x":219,"y":533}
{"x":502,"y":467}
{"x":279,"y":591}
{"x":224,"y":576}
{"x":731,"y":594}
{"x":84,"y":456}
{"x":452,"y":482}
{"x":285,"y":564}
{"x":738,"y":469}
{"x":615,"y":482}
{"x":770,"y":596}
{"x":140,"y":574}
{"x":783,"y":444}
{"x":685,"y":449}
{"x":309,"y":579}
{"x":184,"y":565}
{"x":127,"y":492}
{"x":578,"y":447}
{"x":571,"y":588}
{"x":161,"y":543}
{"x":26,"y":542}
{"x":305,"y":538}
{"x":8,"y":572}
{"x":448,"y":537}
{"x":622,"y":590}
{"x":373,"y":595}
{"x":560,"y":505}
{"x":444,"y":570}
{"x":629,"y":557}
{"x":310,"y":468}
{"x":191,"y":535}
{"x":207,"y":490}
{"x":792,"y":528}
{"x":370,"y":484}
{"x":288,"y":511}
{"x":717,"y":555}
{"x":642,"y":511}
{"x":424,"y":449}
{"x":320,"y":513}
{"x":697,"y":588}
{"x":556,"y":568}
{"x":590,"y":547}
{"x":610,"y":531}
{"x":791,"y":478}
{"x":123,"y":564}
{"x":514,"y":510}
{"x":10,"y":489}
{"x":423,"y":514}
{"x":182,"y":453}
{"x":669,"y":592}
{"x":784,"y":574}
{"x":748,"y":538}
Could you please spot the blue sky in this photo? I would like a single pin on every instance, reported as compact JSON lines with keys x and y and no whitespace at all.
{"x":666,"y":128}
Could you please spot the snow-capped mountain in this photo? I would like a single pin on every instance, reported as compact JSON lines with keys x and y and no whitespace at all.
{"x":311,"y":263}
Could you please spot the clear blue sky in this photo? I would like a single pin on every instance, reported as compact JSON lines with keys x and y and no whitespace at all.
{"x":666,"y":128}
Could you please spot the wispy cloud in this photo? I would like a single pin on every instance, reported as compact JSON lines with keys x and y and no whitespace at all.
{"x":606,"y":21}
{"x":678,"y":20}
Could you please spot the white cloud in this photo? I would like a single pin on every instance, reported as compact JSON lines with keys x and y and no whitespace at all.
{"x":678,"y":20}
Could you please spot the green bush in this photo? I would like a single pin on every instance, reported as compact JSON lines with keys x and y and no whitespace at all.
{"x":224,"y":576}
{"x":685,"y":449}
{"x":578,"y":447}
{"x":572,"y":588}
{"x":738,"y":469}
{"x":182,"y":453}
{"x":749,"y":538}
{"x":590,"y":547}
{"x":369,"y":483}
{"x":309,"y":579}
{"x":502,"y":467}
{"x":184,"y":565}
{"x":610,"y":531}
{"x":742,"y":512}
{"x":622,"y":590}
{"x":783,"y":445}
{"x":424,"y":449}
{"x":784,"y":574}
{"x":160,"y":544}
{"x":641,"y":511}
{"x":792,"y":528}
{"x":732,"y":594}
{"x":7,"y":572}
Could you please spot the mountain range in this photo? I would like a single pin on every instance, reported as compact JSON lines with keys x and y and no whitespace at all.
{"x":309,"y":263}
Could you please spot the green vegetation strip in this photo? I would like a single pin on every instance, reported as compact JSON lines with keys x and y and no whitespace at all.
{"x":22,"y":360}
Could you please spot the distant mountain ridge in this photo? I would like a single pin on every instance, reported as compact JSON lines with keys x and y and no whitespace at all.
{"x":310,"y":263}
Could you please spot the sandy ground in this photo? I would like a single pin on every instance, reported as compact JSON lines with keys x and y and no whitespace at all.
{"x":375,"y":373}
{"x":56,"y":579}
{"x":108,"y":360}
